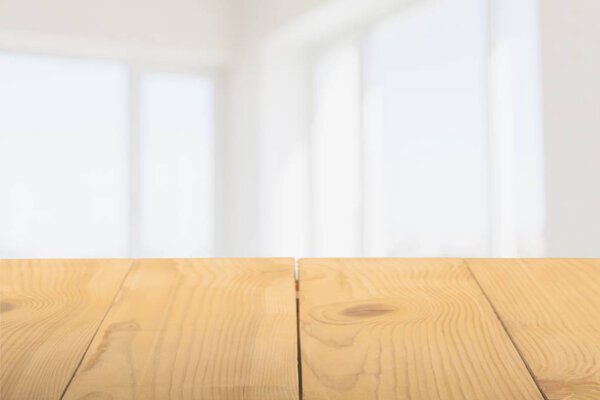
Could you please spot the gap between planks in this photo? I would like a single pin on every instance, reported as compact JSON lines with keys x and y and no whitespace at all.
{"x":298,"y":340}
{"x":117,"y":294}
{"x":510,"y":337}
{"x":134,"y":262}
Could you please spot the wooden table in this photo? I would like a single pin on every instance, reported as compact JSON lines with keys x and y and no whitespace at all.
{"x":347,"y":329}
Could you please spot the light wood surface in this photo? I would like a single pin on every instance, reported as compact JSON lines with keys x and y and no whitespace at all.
{"x":551,"y":309}
{"x":49,"y":312}
{"x":403,"y":329}
{"x":228,"y":329}
{"x":197,"y":329}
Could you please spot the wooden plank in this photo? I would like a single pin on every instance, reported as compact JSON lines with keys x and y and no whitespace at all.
{"x":551,"y":309}
{"x":197,"y":329}
{"x":403,"y":329}
{"x":49,"y":312}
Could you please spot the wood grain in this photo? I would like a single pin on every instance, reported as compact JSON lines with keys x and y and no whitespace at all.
{"x":403,"y":329}
{"x":197,"y":329}
{"x":49,"y":312}
{"x":551,"y":308}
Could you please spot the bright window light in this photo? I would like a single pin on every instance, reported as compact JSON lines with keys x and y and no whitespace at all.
{"x":177,"y":182}
{"x":428,"y":65}
{"x":63,"y":157}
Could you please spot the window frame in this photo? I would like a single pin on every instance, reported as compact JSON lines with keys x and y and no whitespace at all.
{"x":136,"y":66}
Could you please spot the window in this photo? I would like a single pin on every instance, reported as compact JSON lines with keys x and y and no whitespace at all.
{"x":428,"y":65}
{"x":74,"y":183}
{"x":63,"y":158}
{"x":420,"y":142}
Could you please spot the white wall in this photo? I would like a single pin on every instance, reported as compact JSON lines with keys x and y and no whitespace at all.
{"x":245,"y":204}
{"x":570,"y":35}
{"x":191,"y":29}
{"x":257,"y":19}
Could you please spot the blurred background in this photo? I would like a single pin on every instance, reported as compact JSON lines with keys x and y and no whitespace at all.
{"x":198,"y":128}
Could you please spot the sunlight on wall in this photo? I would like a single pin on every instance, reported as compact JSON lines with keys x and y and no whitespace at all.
{"x":177,"y":176}
{"x":336,"y":152}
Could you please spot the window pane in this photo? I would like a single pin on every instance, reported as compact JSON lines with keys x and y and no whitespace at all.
{"x":63,"y":158}
{"x":176,"y":166}
{"x":429,"y":67}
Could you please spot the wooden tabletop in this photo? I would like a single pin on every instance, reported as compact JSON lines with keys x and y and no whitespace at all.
{"x":352,"y":329}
